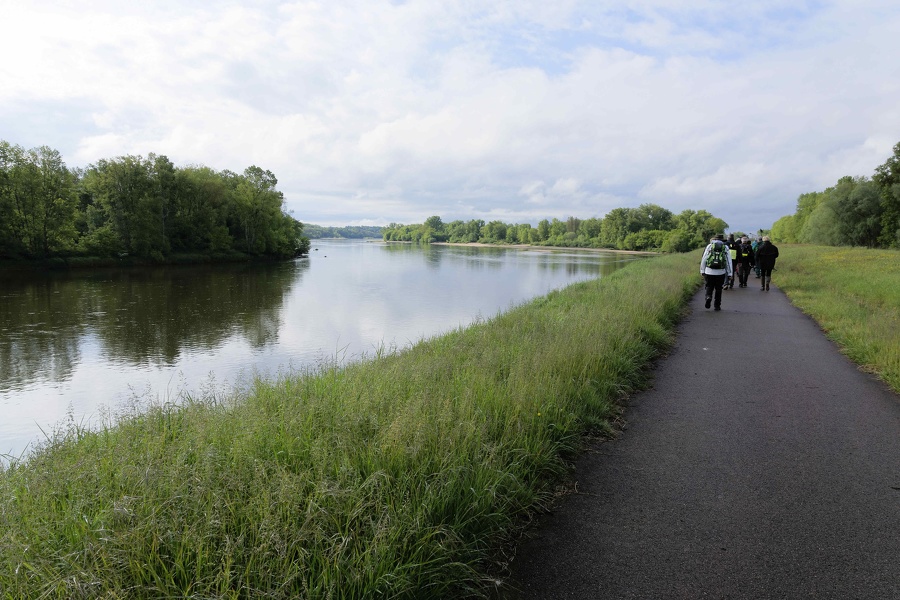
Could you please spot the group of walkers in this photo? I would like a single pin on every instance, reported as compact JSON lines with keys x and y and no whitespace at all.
{"x":723,"y":260}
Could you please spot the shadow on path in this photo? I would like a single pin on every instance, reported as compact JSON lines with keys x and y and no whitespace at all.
{"x":762,"y":464}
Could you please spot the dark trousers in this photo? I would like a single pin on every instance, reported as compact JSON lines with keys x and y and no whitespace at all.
{"x":744,"y":268}
{"x":714,"y":288}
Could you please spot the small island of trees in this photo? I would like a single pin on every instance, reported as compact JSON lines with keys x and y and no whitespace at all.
{"x":136,"y":207}
{"x":648,"y":227}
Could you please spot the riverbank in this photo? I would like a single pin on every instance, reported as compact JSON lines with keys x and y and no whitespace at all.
{"x":540,"y":248}
{"x":403,"y":476}
{"x":101,"y":262}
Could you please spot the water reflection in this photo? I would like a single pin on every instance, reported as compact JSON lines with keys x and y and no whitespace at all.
{"x":72,"y":343}
{"x":138,"y":317}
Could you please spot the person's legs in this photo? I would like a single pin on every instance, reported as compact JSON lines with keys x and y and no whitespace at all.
{"x":709,"y":290}
{"x":717,"y":282}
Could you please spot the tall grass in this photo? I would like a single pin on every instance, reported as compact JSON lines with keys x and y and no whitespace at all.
{"x":854,"y":295}
{"x":398,"y":477}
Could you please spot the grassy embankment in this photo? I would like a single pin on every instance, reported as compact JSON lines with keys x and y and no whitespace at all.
{"x":400,"y":477}
{"x":854,"y":295}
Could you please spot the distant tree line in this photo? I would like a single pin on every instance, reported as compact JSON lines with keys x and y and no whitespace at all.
{"x":647,"y":227}
{"x":141,"y":207}
{"x":856,"y":211}
{"x":354,"y":232}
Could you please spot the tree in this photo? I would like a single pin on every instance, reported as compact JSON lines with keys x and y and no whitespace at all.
{"x":435,"y":224}
{"x":543,"y":230}
{"x":859,"y":211}
{"x":700,"y":225}
{"x":784,"y":229}
{"x":37,"y":201}
{"x":887,"y":178}
{"x":257,"y":207}
{"x":121,"y":189}
{"x":650,"y":217}
{"x":823,"y":226}
{"x":614,"y":228}
{"x":493,"y":232}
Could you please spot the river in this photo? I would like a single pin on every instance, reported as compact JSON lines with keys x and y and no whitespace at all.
{"x":80,"y":347}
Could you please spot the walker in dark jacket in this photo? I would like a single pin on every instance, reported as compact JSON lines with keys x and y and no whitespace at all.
{"x":765,"y":258}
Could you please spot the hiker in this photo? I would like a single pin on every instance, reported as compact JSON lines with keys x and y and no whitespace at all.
{"x":715,"y":267}
{"x":732,"y":253}
{"x":745,"y":260}
{"x":757,"y":242}
{"x":765,"y":258}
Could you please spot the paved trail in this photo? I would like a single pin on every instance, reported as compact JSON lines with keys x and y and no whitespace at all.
{"x":781,"y":480}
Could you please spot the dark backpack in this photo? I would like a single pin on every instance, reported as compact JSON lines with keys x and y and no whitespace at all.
{"x":716,"y":258}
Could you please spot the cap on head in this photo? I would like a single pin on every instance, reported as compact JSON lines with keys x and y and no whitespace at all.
{"x":745,"y":239}
{"x":765,"y":238}
{"x":719,"y":236}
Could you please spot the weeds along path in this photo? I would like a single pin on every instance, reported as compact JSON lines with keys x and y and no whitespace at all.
{"x":401,"y":477}
{"x":763,"y":463}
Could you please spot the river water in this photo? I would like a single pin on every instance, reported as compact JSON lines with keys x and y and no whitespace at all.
{"x":79,"y":347}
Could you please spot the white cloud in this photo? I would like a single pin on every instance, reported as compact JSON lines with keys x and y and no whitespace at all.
{"x":398,"y":111}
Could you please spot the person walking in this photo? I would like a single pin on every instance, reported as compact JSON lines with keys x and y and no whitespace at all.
{"x":745,"y":260}
{"x":765,"y":258}
{"x":732,"y":252}
{"x":757,"y":242}
{"x":715,"y":267}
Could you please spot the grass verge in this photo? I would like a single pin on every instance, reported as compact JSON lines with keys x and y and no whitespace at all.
{"x":398,"y":477}
{"x":854,"y":295}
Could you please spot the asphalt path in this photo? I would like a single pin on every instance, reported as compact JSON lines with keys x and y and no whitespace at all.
{"x":762,"y":464}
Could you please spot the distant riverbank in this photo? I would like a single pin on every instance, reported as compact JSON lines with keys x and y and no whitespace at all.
{"x":541,"y":248}
{"x":96,"y":262}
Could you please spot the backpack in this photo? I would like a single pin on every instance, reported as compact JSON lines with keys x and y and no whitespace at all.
{"x":716,"y":258}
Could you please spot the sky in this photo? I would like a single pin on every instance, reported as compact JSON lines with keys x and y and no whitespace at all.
{"x":370,"y":112}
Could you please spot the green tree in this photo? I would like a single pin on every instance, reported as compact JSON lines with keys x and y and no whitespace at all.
{"x":558,"y":228}
{"x":493,"y":232}
{"x":543,"y":230}
{"x":700,"y":225}
{"x":257,"y":211}
{"x":784,"y":229}
{"x":435,"y":223}
{"x":37,"y":200}
{"x":650,"y":217}
{"x":614,"y":228}
{"x":121,"y":189}
{"x":823,"y":225}
{"x":859,"y":210}
{"x":887,"y":178}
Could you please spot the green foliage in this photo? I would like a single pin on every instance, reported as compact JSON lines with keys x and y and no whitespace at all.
{"x":785,"y":229}
{"x":37,"y":202}
{"x":354,"y":232}
{"x":887,"y":177}
{"x":856,"y":211}
{"x":137,"y":207}
{"x":648,"y":227}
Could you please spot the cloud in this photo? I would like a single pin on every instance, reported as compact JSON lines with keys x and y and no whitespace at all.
{"x":398,"y":111}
